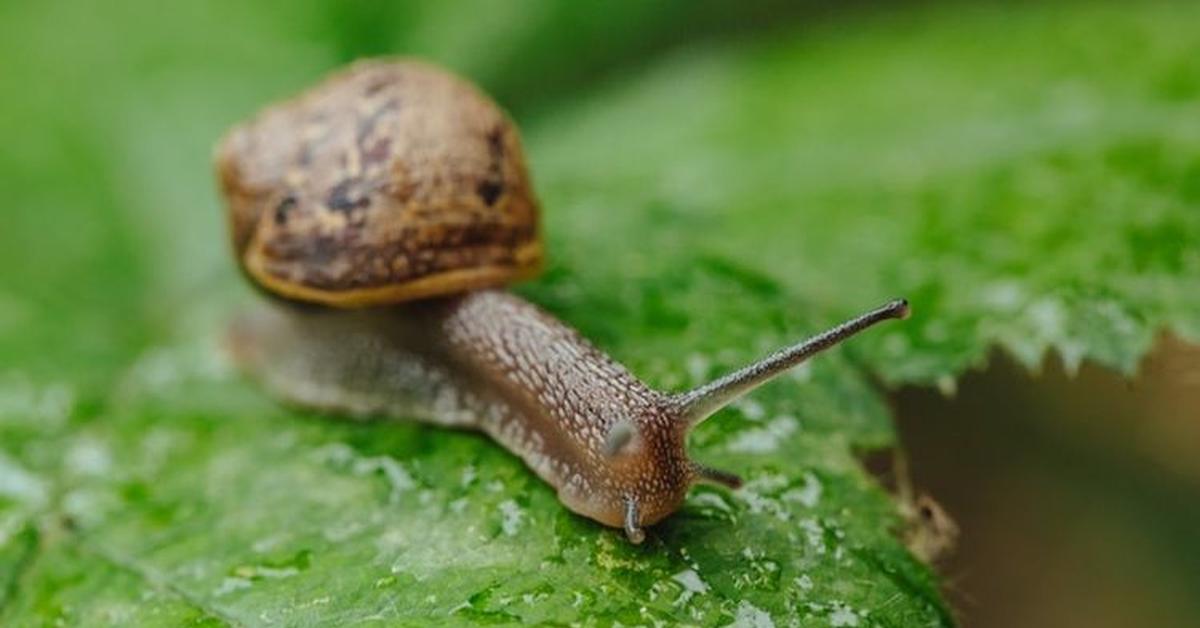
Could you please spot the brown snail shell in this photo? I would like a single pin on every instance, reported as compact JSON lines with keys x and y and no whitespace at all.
{"x":391,"y":180}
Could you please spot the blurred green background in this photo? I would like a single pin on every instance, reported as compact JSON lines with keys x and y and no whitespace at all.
{"x":716,"y":178}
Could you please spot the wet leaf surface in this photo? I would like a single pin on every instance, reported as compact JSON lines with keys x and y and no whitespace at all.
{"x":701,"y":210}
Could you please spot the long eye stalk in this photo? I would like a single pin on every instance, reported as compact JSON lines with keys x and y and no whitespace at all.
{"x":700,"y":403}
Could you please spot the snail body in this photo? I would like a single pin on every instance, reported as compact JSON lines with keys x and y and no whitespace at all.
{"x":491,"y":361}
{"x":395,"y":198}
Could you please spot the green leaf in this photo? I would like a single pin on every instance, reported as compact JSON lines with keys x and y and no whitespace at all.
{"x":1021,"y":187}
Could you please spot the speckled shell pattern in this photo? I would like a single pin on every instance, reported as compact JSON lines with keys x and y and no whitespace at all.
{"x":491,"y":361}
{"x":390,"y":181}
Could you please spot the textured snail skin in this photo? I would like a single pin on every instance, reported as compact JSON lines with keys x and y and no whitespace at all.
{"x":613,"y":448}
{"x":487,"y":360}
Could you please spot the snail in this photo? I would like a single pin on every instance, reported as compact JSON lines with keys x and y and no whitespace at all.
{"x":384,"y":210}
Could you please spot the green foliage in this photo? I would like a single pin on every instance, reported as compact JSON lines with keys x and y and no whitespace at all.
{"x":1022,"y":187}
{"x":1026,"y":176}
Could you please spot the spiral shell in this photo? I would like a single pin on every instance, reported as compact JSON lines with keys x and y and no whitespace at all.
{"x":391,"y":180}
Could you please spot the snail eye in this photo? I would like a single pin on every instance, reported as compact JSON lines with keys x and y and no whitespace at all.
{"x":620,"y":437}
